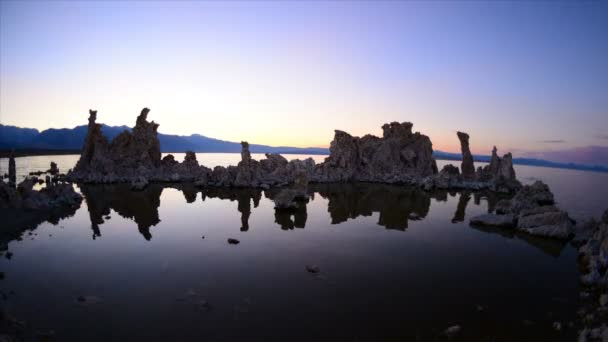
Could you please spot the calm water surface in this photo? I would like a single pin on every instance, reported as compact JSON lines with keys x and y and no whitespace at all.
{"x":396,"y":264}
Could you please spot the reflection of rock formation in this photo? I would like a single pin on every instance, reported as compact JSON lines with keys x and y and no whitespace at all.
{"x":551,"y":247}
{"x":396,"y":205}
{"x":291,"y":218}
{"x":243,"y":196}
{"x":140,"y":206}
{"x":465,"y":197}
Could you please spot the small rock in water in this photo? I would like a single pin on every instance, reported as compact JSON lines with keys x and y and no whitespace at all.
{"x":203,"y":305}
{"x":557,"y":326}
{"x":87,"y":300}
{"x":8,"y":255}
{"x":108,"y":217}
{"x":452,"y":331}
{"x":233,"y":241}
{"x":203,"y":237}
{"x":313,"y":268}
{"x":604,"y":299}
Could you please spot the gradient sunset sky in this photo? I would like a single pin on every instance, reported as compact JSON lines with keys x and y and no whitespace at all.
{"x":530,"y":77}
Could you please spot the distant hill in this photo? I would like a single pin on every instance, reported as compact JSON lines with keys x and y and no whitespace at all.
{"x":12,"y":137}
{"x":68,"y":140}
{"x":524,"y":161}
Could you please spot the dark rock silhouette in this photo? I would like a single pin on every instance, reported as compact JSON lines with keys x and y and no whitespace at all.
{"x":498,"y":176}
{"x":22,"y":207}
{"x":12,"y":171}
{"x":468,"y":168}
{"x":54,"y":169}
{"x":399,"y":156}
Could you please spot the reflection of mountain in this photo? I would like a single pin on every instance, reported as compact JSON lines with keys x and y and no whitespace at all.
{"x":140,"y":206}
{"x":396,"y":204}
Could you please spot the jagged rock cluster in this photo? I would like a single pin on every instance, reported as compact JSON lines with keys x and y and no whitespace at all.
{"x":23,"y":196}
{"x":498,"y":175}
{"x":532,"y":211}
{"x":399,"y":156}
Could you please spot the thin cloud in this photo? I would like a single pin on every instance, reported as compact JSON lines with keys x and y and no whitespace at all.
{"x":557,"y":141}
{"x":602,"y":136}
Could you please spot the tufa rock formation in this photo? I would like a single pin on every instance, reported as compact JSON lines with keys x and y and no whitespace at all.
{"x":468,"y":169}
{"x":399,"y":156}
{"x":498,"y":176}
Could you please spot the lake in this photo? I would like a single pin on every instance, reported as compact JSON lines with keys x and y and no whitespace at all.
{"x":395,"y":263}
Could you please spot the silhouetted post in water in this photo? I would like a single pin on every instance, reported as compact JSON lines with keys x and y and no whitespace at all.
{"x":465,"y":197}
{"x":12,"y":173}
{"x":467,"y":167}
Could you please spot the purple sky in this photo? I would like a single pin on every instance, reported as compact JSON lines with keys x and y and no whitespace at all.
{"x":530,"y":77}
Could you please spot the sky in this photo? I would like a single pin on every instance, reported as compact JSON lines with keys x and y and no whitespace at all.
{"x":528,"y":77}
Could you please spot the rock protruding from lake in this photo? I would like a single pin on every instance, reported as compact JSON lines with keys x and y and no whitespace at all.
{"x":531,"y":210}
{"x":12,"y":170}
{"x":467,"y":166}
{"x":399,"y":156}
{"x":498,"y":176}
{"x":54,"y":169}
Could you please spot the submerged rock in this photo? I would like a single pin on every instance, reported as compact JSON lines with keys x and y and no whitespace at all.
{"x":312,"y":269}
{"x":452,"y":331}
{"x":493,"y":220}
{"x":233,"y":241}
{"x":530,"y":211}
{"x":550,"y":222}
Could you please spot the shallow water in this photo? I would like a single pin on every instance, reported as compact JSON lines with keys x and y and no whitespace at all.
{"x":395,"y":264}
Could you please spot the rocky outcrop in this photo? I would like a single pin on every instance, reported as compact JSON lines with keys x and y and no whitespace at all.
{"x":400,"y":156}
{"x":467,"y":167}
{"x":498,"y":176}
{"x":531,"y":210}
{"x":54,"y":169}
{"x":288,"y":198}
{"x":593,"y":259}
{"x":23,"y":207}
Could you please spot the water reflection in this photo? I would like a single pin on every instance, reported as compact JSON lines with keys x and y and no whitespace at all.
{"x":396,"y":206}
{"x":139,"y":206}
